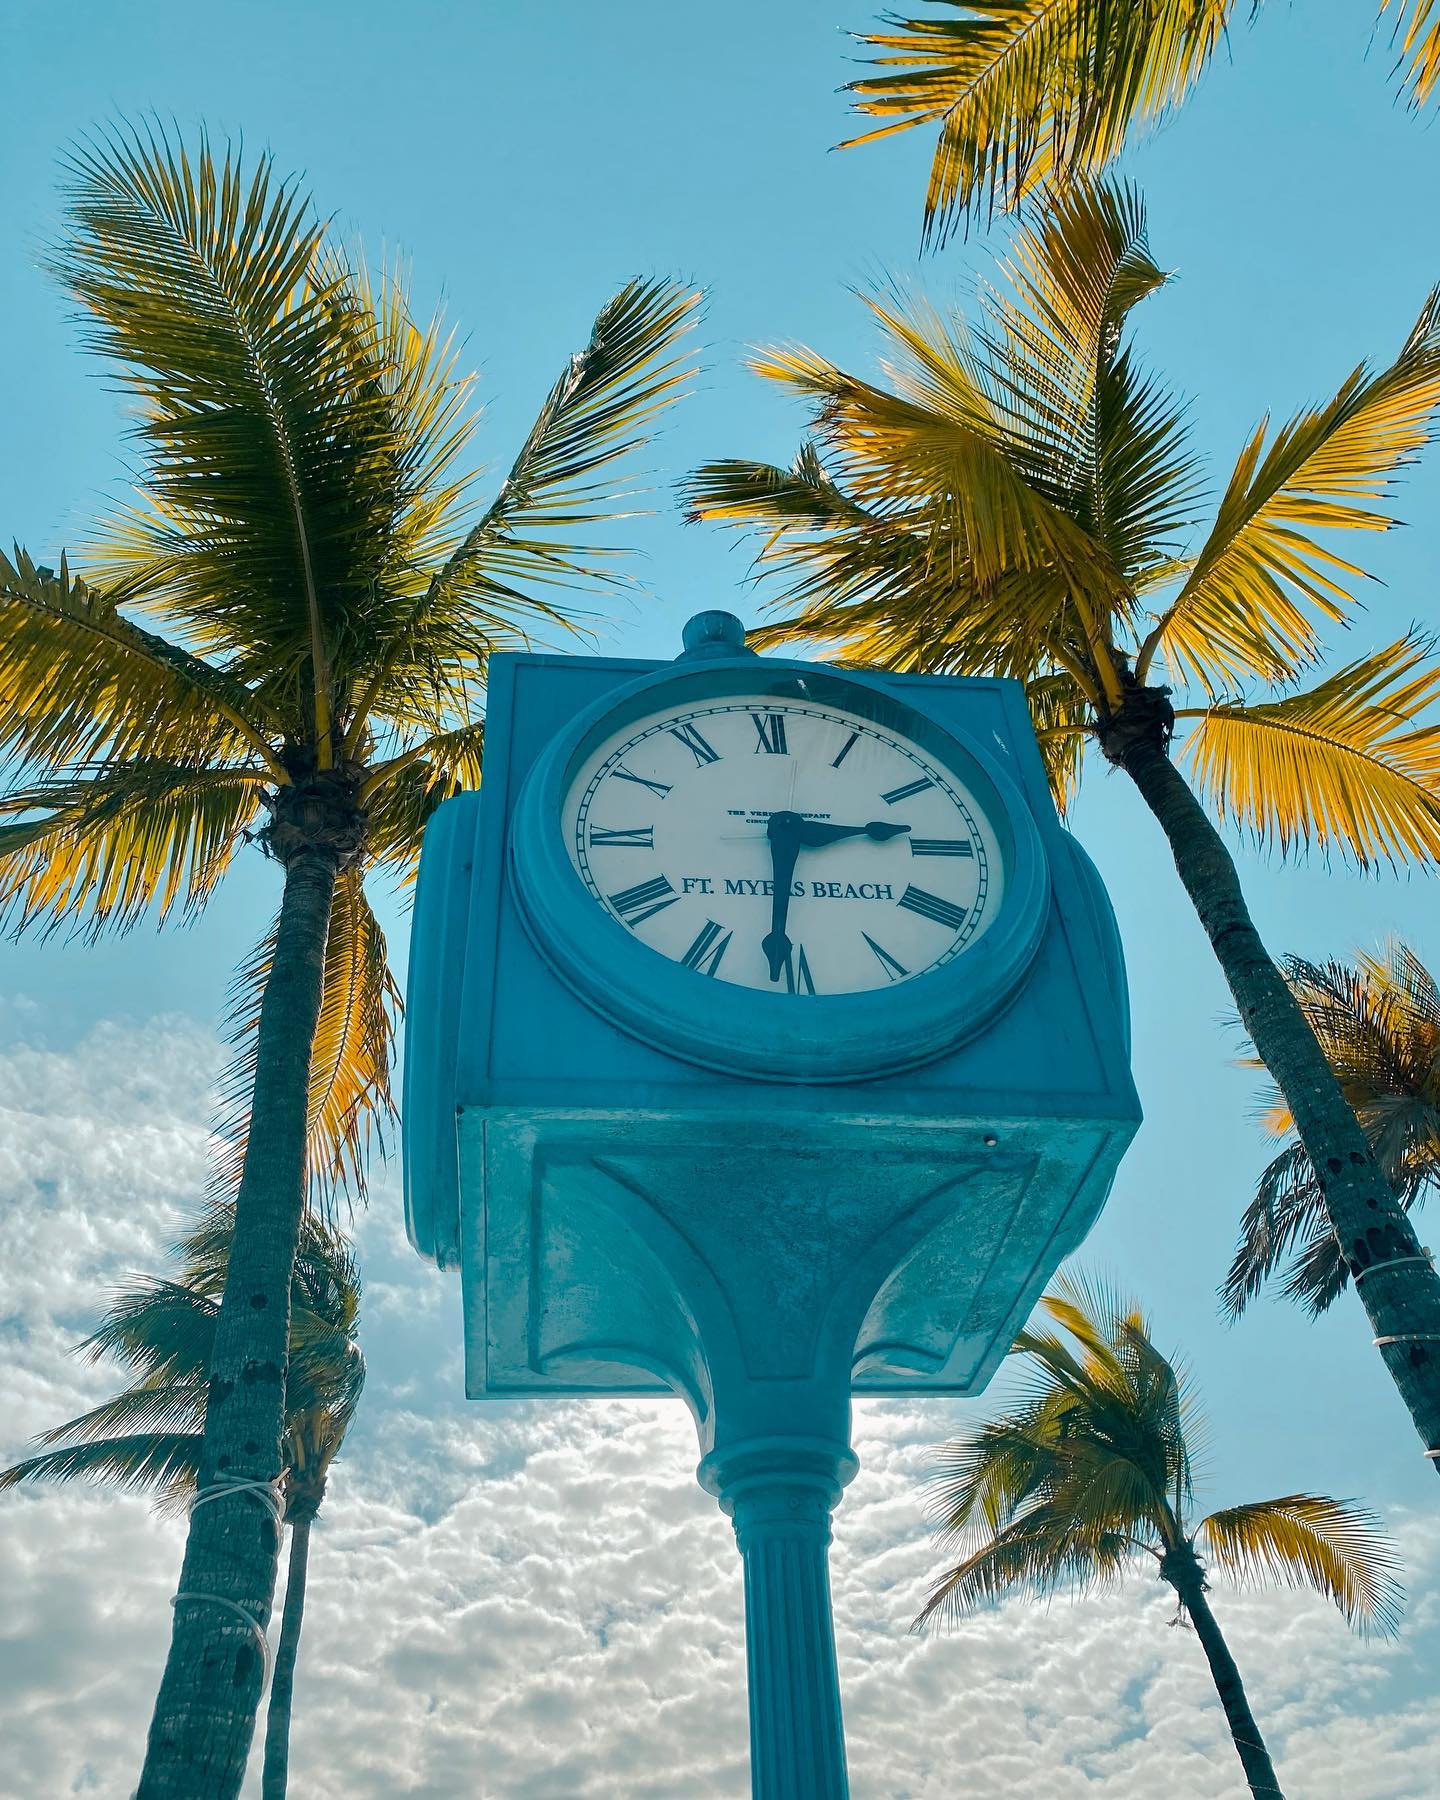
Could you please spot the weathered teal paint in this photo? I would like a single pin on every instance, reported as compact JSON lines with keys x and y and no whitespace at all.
{"x":653,"y":1182}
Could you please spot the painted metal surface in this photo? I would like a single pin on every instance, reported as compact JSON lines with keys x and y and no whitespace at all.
{"x":655,"y":1183}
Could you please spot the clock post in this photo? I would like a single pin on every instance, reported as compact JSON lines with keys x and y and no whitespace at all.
{"x":767,"y":1044}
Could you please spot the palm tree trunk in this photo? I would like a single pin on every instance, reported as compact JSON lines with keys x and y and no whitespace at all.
{"x":1184,"y":1574}
{"x":1396,"y":1280}
{"x":282,"y":1682}
{"x":205,"y":1714}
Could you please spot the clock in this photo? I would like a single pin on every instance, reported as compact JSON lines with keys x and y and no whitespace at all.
{"x":779,"y":870}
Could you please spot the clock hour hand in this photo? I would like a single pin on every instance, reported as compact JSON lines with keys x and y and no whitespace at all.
{"x":783,"y":831}
{"x":813,"y":835}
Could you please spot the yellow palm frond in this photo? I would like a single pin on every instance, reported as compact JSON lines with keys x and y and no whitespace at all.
{"x":1417,"y":31}
{"x":1309,"y":1540}
{"x":78,"y":681}
{"x":143,"y":836}
{"x":1111,"y":440}
{"x":1262,"y":579}
{"x":936,"y":441}
{"x":1348,"y":766}
{"x":401,"y":795}
{"x":350,"y":1097}
{"x":1061,"y":716}
{"x":1025,"y":89}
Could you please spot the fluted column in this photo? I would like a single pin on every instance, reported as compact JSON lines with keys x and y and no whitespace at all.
{"x":780,"y":1493}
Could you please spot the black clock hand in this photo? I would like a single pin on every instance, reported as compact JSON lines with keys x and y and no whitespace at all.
{"x":814,"y":836}
{"x":783,"y":832}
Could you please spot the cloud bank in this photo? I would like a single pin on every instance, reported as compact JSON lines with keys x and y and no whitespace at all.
{"x":537,"y":1601}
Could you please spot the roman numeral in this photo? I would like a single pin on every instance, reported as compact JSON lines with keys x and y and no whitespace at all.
{"x":704,"y":954}
{"x":894,"y":971}
{"x":798,"y":979}
{"x":931,"y":906}
{"x":941,"y":847}
{"x":771,"y":727}
{"x":636,"y":837}
{"x":904,"y":793}
{"x":846,"y":748}
{"x":695,"y":744}
{"x":621,"y":773}
{"x":637,"y":904}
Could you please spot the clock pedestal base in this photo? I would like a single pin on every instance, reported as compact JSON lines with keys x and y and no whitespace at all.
{"x":780,"y":1493}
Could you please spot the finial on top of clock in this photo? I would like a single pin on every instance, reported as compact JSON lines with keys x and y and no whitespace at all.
{"x":714,"y":634}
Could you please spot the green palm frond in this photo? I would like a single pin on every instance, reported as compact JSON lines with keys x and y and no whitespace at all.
{"x":1023,"y":91}
{"x":148,"y":1436}
{"x":140,"y":836}
{"x":160,"y":1329}
{"x":1262,"y":578}
{"x":538,"y":534}
{"x":1378,"y":1022}
{"x":270,"y":457}
{"x":160,"y":1463}
{"x":1041,"y":1551}
{"x":157,"y":1403}
{"x":1342,"y":767}
{"x":1311,"y":1541}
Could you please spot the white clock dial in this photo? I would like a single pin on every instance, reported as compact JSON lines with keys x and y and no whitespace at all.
{"x":680,"y":823}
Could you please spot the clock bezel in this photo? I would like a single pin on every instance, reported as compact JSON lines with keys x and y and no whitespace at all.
{"x":821,"y":1038}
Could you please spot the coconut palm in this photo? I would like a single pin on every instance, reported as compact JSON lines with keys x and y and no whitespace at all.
{"x":1028,"y":91}
{"x":1015,"y":498}
{"x":1378,"y":1022}
{"x":282,"y":641}
{"x":148,"y":1438}
{"x":1091,"y":1467}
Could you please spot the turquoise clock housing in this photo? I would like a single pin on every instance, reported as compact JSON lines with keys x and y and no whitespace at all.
{"x":653,"y":1181}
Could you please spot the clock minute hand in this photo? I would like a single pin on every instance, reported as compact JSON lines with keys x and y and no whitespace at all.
{"x":814,"y":836}
{"x":783,"y":831}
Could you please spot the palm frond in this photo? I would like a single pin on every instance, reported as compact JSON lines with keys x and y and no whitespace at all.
{"x":350,"y":1098}
{"x":161,"y":1463}
{"x":139,"y":836}
{"x":1310,"y":1540}
{"x":1041,"y":1551}
{"x":1417,"y":33}
{"x":1023,"y":91}
{"x":79,"y":680}
{"x":1378,"y":1022}
{"x":1262,"y":579}
{"x":402,"y":795}
{"x":163,"y":1330}
{"x":1348,"y":766}
{"x":538,"y":532}
{"x":273,"y":460}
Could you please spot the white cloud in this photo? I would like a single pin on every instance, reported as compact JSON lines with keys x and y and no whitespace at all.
{"x":537,"y":1601}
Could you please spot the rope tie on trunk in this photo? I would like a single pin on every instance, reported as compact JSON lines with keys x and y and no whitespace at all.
{"x":234,"y":1607}
{"x":1392,"y":1262}
{"x":266,"y":1494}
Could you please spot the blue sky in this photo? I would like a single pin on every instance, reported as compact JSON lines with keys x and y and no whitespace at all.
{"x":527,"y":160}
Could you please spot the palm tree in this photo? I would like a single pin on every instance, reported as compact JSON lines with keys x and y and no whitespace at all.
{"x":1025,"y":92}
{"x":1378,"y":1022}
{"x":1092,"y":1465}
{"x":283,"y":640}
{"x":149,"y":1437}
{"x":1013,"y":499}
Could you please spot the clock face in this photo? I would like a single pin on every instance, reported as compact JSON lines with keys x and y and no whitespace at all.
{"x":783,"y":845}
